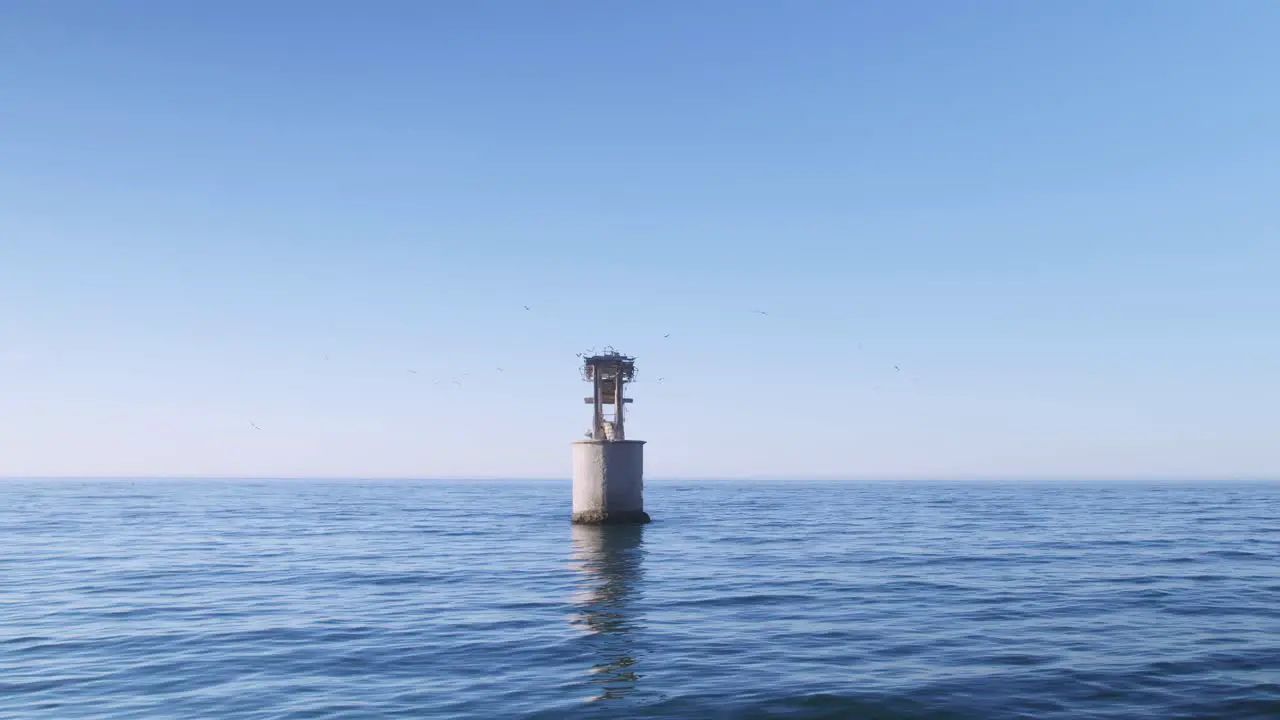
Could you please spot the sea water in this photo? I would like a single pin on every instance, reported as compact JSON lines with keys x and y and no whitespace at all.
{"x":410,"y":599}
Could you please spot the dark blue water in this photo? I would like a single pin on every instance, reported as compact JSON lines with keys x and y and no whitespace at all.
{"x":296,"y":599}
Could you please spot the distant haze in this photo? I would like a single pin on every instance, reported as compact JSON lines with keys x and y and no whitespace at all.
{"x":298,"y":239}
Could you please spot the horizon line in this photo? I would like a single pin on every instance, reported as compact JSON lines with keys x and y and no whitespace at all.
{"x":667,"y":478}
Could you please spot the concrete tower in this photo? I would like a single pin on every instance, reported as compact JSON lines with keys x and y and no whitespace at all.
{"x":608,"y":469}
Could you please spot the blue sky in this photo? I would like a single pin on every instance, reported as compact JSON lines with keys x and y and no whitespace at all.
{"x":1060,"y":220}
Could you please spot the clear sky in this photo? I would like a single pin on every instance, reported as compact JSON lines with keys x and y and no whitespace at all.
{"x":1060,"y":220}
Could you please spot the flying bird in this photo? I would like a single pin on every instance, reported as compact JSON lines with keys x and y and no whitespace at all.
{"x":759,"y":312}
{"x":413,"y":372}
{"x":667,"y":335}
{"x":499,"y":369}
{"x":255,"y":427}
{"x":895,"y":367}
{"x":526,"y":307}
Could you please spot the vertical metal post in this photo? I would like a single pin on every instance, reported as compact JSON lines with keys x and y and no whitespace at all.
{"x":618,"y":433}
{"x":597,"y":421}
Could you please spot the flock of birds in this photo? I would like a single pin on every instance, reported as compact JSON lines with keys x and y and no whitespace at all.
{"x":458,"y":382}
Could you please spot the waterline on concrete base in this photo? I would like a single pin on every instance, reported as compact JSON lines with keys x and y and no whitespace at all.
{"x":617,"y":517}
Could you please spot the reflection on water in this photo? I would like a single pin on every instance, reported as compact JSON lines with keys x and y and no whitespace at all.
{"x":608,"y":560}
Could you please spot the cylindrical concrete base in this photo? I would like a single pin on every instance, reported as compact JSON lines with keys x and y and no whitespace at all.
{"x":608,"y":482}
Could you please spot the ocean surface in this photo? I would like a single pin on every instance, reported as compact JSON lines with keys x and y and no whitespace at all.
{"x":299,"y":599}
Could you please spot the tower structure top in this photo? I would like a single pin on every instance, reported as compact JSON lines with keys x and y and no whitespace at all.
{"x":608,"y":372}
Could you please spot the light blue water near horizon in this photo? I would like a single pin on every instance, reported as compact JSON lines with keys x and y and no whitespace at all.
{"x":354,"y":599}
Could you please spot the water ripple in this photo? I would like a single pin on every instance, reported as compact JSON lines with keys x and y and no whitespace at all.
{"x":292,"y":599}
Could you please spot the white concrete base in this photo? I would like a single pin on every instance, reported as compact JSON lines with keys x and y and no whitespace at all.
{"x":608,"y":482}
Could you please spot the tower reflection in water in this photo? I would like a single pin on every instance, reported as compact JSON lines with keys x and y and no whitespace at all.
{"x":608,"y":561}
